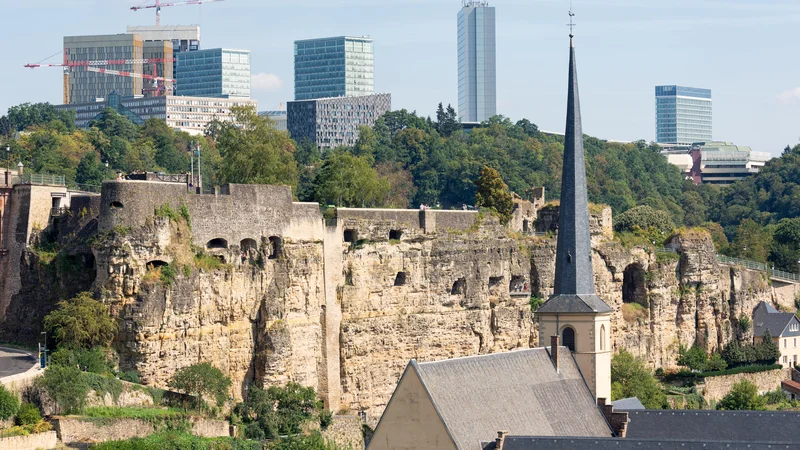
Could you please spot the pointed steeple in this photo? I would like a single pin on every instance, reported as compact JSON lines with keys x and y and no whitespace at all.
{"x":574,"y":277}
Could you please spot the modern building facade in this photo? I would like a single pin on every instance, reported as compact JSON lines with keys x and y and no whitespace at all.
{"x":158,"y":50}
{"x":334,"y":122}
{"x":333,"y":67}
{"x":184,"y":38}
{"x":278,"y":119}
{"x":477,"y":67}
{"x":683,"y":115}
{"x":214,"y":72}
{"x":190,"y":114}
{"x":83,"y":86}
{"x":716,"y":162}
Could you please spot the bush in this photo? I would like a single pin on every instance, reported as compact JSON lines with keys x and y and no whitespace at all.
{"x":312,"y":441}
{"x":81,"y":322}
{"x":28,"y":415}
{"x":535,"y":303}
{"x":775,"y":397}
{"x":694,"y":358}
{"x":168,"y":274}
{"x":743,"y":397}
{"x":178,"y":441}
{"x":202,"y":381}
{"x":325,"y":419}
{"x":716,"y":363}
{"x":95,"y":360}
{"x":103,"y":385}
{"x":765,"y":352}
{"x":744,"y":322}
{"x":280,"y":410}
{"x":67,"y":386}
{"x":643,"y":218}
{"x":9,"y":403}
{"x":630,"y":377}
{"x":131,"y":376}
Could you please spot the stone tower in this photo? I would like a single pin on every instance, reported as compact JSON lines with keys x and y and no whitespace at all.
{"x":574,"y":313}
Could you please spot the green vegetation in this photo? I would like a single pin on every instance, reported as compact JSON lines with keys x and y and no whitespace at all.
{"x":81,"y":322}
{"x":114,"y":412}
{"x":634,"y":312}
{"x":310,"y":441}
{"x":763,"y":353}
{"x":9,"y":404}
{"x":179,"y":441}
{"x":493,"y":193}
{"x":643,"y":218}
{"x":202,"y":381}
{"x":630,"y":377}
{"x":24,"y":430}
{"x":207,"y":262}
{"x":348,"y":180}
{"x":28,"y":414}
{"x":277,"y":411}
{"x":66,"y":385}
{"x":743,"y":397}
{"x":94,"y":360}
{"x":696,"y":359}
{"x":536,"y":303}
{"x":744,"y":322}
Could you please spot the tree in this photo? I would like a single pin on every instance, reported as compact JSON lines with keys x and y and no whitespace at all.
{"x":81,"y":322}
{"x":90,"y":171}
{"x":9,"y":403}
{"x":743,"y":397}
{"x":630,"y":377}
{"x":29,"y":115}
{"x":348,"y":180}
{"x":643,"y":218}
{"x":113,"y":124}
{"x":786,"y":245}
{"x":695,"y":209}
{"x":694,"y":358}
{"x":67,"y":386}
{"x":493,"y":193}
{"x":202,"y":381}
{"x":254,"y":152}
{"x":279,"y":411}
{"x":753,"y":241}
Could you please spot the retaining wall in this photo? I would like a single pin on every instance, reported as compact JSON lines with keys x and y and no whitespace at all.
{"x":37,"y":441}
{"x":718,"y":387}
{"x":75,"y":430}
{"x":346,"y":432}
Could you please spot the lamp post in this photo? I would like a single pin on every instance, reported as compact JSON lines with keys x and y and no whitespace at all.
{"x":43,"y":355}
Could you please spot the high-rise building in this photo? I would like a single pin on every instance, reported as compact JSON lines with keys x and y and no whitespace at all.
{"x":333,"y":67}
{"x":84,"y":86}
{"x":477,"y":69}
{"x":214,"y":72}
{"x":158,"y":50}
{"x":683,"y":115}
{"x":334,"y":122}
{"x":184,"y":38}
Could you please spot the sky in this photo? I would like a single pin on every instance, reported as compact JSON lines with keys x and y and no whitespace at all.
{"x":744,"y":50}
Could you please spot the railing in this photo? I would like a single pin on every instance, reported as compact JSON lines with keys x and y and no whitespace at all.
{"x":665,"y":250}
{"x":58,"y":212}
{"x":760,"y":267}
{"x":39,"y":179}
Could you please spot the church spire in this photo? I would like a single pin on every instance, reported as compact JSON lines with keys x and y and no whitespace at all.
{"x":574,"y":277}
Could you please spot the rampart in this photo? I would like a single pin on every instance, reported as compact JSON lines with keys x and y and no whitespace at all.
{"x":718,"y":387}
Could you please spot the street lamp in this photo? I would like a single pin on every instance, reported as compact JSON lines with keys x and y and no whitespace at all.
{"x":43,"y":356}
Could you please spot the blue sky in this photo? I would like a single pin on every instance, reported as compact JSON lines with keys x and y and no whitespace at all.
{"x":744,"y":50}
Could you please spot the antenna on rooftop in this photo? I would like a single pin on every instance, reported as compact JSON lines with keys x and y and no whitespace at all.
{"x":571,"y":24}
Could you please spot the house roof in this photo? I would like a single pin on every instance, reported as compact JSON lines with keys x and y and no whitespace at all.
{"x":628,"y":404}
{"x":766,"y":318}
{"x":575,"y":304}
{"x":571,"y":443}
{"x":791,"y":386}
{"x":736,"y":426}
{"x":518,"y":391}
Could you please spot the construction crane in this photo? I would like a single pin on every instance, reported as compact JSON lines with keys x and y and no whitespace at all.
{"x":129,"y":74}
{"x":103,"y":62}
{"x":158,"y":5}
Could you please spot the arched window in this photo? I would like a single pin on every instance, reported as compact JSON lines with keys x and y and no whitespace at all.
{"x":602,"y":338}
{"x":217,"y":243}
{"x":568,"y":338}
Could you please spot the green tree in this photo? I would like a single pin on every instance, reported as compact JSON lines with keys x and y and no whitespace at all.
{"x":743,"y":397}
{"x":643,"y":218}
{"x":695,"y":208}
{"x":90,"y":171}
{"x":716,"y":362}
{"x":81,"y":322}
{"x":493,"y":193}
{"x":786,"y":245}
{"x":630,"y":377}
{"x":277,"y":410}
{"x":694,"y":358}
{"x":753,"y":241}
{"x":202,"y":381}
{"x":94,"y":360}
{"x":254,"y":152}
{"x":28,"y":414}
{"x":9,"y":403}
{"x":113,"y":124}
{"x":26,"y":115}
{"x":67,"y":386}
{"x":348,"y":180}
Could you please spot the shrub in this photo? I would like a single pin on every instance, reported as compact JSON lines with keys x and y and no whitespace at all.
{"x":634,"y":312}
{"x":81,"y":322}
{"x":280,"y":410}
{"x":643,"y":218}
{"x":165,"y":210}
{"x":743,"y":397}
{"x":536,"y":303}
{"x":694,"y":358}
{"x":9,"y":403}
{"x":131,"y":376}
{"x":765,"y":352}
{"x":202,"y":380}
{"x":168,"y":274}
{"x":102,"y":385}
{"x":775,"y":397}
{"x":744,"y":322}
{"x":95,"y":360}
{"x":28,"y":415}
{"x":716,"y":363}
{"x":630,"y":377}
{"x":325,"y":419}
{"x":179,"y":441}
{"x":67,"y":386}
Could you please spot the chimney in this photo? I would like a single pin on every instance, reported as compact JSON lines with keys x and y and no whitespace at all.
{"x":500,"y":441}
{"x":554,"y":351}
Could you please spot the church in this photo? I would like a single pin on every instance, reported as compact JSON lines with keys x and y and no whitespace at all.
{"x":558,"y":397}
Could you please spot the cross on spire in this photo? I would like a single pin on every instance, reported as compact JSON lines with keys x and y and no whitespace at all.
{"x":571,"y":24}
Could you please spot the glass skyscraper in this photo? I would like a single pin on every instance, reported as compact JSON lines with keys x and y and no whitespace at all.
{"x":215,"y":72}
{"x":333,"y":67}
{"x":477,"y":71}
{"x":683,"y":115}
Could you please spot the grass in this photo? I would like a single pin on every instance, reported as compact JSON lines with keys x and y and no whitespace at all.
{"x":207,"y":262}
{"x":634,"y":312}
{"x":175,"y":441}
{"x":116,"y":412}
{"x":667,"y":257}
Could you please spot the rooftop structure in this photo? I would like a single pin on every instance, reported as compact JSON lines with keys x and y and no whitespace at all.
{"x":334,"y":122}
{"x":278,"y":118}
{"x":184,"y":38}
{"x":477,"y":66}
{"x":715,"y":162}
{"x":683,"y":115}
{"x":783,"y":327}
{"x":214,"y":72}
{"x":340,"y":66}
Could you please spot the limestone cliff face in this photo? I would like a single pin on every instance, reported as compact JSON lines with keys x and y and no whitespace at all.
{"x":255,"y":318}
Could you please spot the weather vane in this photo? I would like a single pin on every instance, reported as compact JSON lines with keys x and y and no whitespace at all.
{"x":571,"y":24}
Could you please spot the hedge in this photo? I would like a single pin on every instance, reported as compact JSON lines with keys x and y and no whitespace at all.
{"x":734,"y":371}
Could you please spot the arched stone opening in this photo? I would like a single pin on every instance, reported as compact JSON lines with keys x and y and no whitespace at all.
{"x":395,"y":235}
{"x":116,"y":205}
{"x":634,"y":289}
{"x":459,"y":287}
{"x":155,"y":264}
{"x":276,"y":247}
{"x":400,"y":279}
{"x":350,"y":236}
{"x":526,"y":225}
{"x":248,"y":245}
{"x":217,"y":243}
{"x":568,"y":338}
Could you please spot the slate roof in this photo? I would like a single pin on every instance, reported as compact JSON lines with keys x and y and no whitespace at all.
{"x":570,"y":443}
{"x":737,"y":426}
{"x":517,"y":391}
{"x":791,"y":386}
{"x":765,"y":317}
{"x":628,"y":404}
{"x":566,"y":303}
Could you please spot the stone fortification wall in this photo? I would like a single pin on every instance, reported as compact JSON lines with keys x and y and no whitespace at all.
{"x":77,"y":431}
{"x":346,"y":432}
{"x":36,"y":441}
{"x":716,"y":388}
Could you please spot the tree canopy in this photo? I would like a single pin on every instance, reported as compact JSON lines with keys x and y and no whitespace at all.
{"x":81,"y":322}
{"x":743,"y":397}
{"x":630,"y":377}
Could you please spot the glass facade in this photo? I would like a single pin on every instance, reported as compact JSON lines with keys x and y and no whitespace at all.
{"x":683,"y":115}
{"x":82,"y":86}
{"x":333,"y":67}
{"x":214,"y":73}
{"x":334,"y":122}
{"x":477,"y":71}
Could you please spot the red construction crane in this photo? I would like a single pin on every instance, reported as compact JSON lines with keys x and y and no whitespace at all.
{"x":129,"y":74}
{"x":103,"y":62}
{"x":158,"y":5}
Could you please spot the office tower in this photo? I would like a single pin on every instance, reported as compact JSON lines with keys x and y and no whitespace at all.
{"x":184,"y":38}
{"x":214,"y":72}
{"x":683,"y":115}
{"x":334,"y":122}
{"x":84,"y":86}
{"x":477,"y":71}
{"x":333,"y":67}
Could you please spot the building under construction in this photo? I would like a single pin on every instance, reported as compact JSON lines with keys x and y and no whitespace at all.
{"x":82,"y":52}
